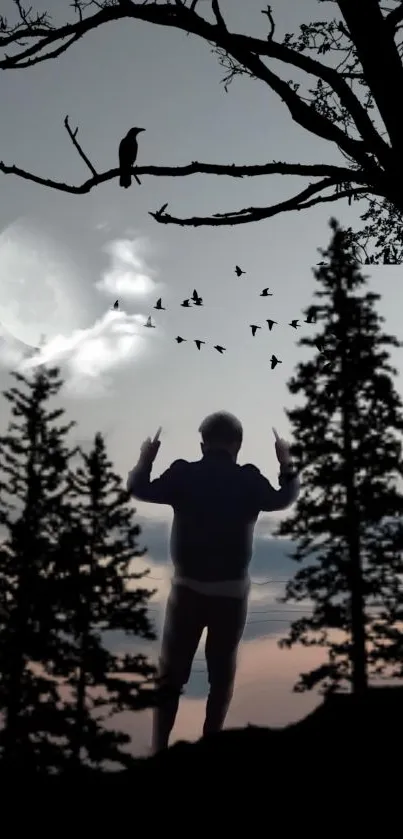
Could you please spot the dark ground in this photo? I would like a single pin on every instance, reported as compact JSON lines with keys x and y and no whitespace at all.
{"x":341,"y":765}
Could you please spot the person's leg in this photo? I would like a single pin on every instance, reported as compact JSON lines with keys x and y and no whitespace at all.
{"x":226,"y":623}
{"x":183,"y":626}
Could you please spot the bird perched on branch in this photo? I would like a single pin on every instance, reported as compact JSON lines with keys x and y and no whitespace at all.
{"x":128,"y":149}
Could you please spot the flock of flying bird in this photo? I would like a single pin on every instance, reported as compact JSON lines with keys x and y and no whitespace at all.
{"x":196,"y":300}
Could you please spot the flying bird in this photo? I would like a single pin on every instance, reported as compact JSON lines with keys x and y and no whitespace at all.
{"x":270,"y":323}
{"x":116,"y":304}
{"x":239,"y":271}
{"x":254,"y":328}
{"x":159,"y":305}
{"x":179,"y":339}
{"x":196,"y":298}
{"x":320,"y":345}
{"x":149,"y":323}
{"x":265,"y":293}
{"x":294,"y":323}
{"x":128,"y":149}
{"x":274,"y":361}
{"x":219,"y":349}
{"x":198,"y":301}
{"x":199,"y":343}
{"x":186,"y":303}
{"x":310,"y":319}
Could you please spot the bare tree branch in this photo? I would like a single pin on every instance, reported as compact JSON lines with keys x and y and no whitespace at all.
{"x":249,"y":214}
{"x":268,"y":12}
{"x":73,"y":138}
{"x":232,"y":170}
{"x":217,"y":14}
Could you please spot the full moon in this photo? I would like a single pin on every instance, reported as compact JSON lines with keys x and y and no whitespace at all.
{"x":38,"y":286}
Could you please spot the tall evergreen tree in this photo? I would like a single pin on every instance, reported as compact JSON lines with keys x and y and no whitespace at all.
{"x":348,"y":517}
{"x":34,"y":457}
{"x":97,"y":549}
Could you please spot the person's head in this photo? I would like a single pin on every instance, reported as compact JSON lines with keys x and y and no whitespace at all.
{"x":221,"y":431}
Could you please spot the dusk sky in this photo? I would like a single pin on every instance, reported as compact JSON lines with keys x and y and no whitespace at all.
{"x":65,"y":259}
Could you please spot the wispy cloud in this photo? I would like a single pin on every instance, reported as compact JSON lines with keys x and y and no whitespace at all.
{"x":128,"y":275}
{"x":90,"y":356}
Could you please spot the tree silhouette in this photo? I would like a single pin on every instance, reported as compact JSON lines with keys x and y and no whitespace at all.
{"x":97,"y":548}
{"x":355,"y":60}
{"x":348,"y":516}
{"x":34,"y":458}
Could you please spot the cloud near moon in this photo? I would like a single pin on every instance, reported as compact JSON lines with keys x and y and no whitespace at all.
{"x":40,"y":309}
{"x":128,"y":275}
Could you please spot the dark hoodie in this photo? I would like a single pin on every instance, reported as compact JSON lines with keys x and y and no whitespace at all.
{"x":216,"y":504}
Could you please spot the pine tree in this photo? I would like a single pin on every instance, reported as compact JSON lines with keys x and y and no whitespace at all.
{"x":97,"y":548}
{"x":34,"y":458}
{"x":348,"y":516}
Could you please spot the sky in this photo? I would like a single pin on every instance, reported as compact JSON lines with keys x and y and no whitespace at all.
{"x":65,"y":259}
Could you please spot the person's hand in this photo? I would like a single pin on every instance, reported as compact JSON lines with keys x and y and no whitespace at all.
{"x":282,"y":450}
{"x":149,"y":449}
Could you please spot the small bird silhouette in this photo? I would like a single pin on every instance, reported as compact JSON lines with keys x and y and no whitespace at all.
{"x":149,"y":323}
{"x":254,"y":328}
{"x":116,"y":304}
{"x":198,"y":301}
{"x":179,"y":339}
{"x":274,"y":361}
{"x":239,"y":271}
{"x":294,"y":323}
{"x":128,"y":149}
{"x":320,"y":345}
{"x":270,"y":324}
{"x":265,"y":293}
{"x":186,"y":303}
{"x":310,"y":319}
{"x":199,"y":343}
{"x":159,"y":305}
{"x":219,"y":349}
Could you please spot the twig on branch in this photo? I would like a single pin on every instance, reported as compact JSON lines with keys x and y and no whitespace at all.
{"x":252,"y":214}
{"x":217,"y":14}
{"x":73,"y":138}
{"x":337,"y":173}
{"x":268,"y":12}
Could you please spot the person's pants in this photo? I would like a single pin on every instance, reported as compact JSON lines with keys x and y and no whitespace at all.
{"x":187,"y":614}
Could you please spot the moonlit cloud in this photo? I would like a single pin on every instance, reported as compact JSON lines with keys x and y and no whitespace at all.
{"x":89,"y":356}
{"x":128,"y":275}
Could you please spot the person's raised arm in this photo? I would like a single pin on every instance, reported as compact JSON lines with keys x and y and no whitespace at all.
{"x":163,"y":490}
{"x":268,"y":499}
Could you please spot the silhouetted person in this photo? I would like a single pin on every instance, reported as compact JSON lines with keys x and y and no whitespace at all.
{"x":128,"y":149}
{"x":216,"y":504}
